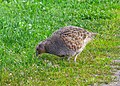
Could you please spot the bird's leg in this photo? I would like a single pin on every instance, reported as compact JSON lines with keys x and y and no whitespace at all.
{"x":76,"y":55}
{"x":69,"y":58}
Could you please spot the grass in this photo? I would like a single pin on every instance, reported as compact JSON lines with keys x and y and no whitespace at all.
{"x":24,"y":23}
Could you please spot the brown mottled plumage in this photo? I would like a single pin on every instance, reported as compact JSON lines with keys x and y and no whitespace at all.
{"x":68,"y":41}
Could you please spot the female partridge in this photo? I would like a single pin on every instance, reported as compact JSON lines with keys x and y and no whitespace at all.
{"x":66,"y":42}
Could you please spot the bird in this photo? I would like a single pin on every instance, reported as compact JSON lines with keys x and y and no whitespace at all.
{"x":68,"y":41}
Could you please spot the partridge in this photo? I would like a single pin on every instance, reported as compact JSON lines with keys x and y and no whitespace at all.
{"x":67,"y":42}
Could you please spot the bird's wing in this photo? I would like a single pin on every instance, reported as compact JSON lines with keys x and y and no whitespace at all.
{"x":73,"y":37}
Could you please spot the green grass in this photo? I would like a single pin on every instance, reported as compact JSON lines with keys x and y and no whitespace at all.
{"x":24,"y":23}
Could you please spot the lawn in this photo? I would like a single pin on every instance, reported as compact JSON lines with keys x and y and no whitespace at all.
{"x":24,"y":23}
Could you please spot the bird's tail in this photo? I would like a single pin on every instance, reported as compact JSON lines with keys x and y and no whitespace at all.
{"x":94,"y":34}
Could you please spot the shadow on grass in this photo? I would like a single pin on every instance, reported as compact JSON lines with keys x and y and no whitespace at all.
{"x":53,"y":61}
{"x":50,"y":57}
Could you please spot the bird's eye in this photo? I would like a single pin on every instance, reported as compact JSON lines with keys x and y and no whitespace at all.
{"x":37,"y":49}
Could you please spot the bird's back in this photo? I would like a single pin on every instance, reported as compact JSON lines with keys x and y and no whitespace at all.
{"x":72,"y":36}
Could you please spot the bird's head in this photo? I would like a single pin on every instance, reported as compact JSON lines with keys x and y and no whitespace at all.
{"x":40,"y":48}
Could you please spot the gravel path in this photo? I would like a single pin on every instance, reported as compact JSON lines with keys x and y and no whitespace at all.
{"x":117,"y":74}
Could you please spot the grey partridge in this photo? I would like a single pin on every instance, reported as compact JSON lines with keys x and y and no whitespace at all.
{"x":68,"y":42}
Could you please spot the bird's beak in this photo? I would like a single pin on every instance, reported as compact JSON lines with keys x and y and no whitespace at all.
{"x":37,"y":53}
